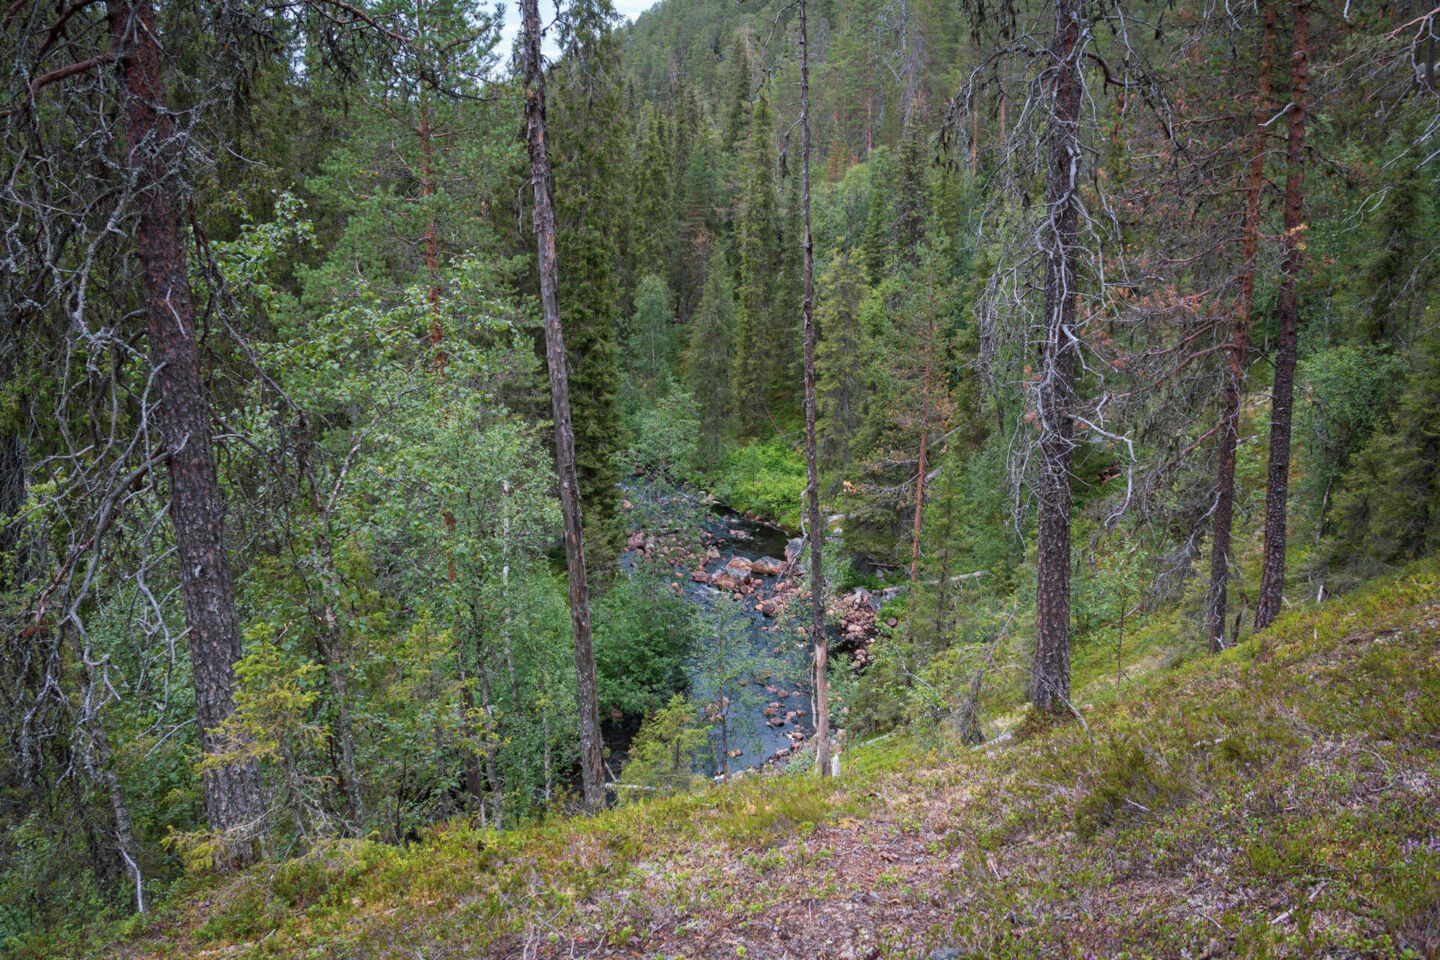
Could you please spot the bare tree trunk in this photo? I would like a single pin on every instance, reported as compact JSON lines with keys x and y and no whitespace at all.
{"x":1277,"y":485}
{"x":1239,"y":350}
{"x":1051,"y":674}
{"x":124,"y":834}
{"x":591,"y":761}
{"x":234,"y":795}
{"x":102,"y":761}
{"x":812,"y":468}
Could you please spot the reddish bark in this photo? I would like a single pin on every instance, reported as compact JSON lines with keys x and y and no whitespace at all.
{"x":431,"y":241}
{"x":234,"y":795}
{"x":1239,"y":349}
{"x":1277,"y":485}
{"x":591,"y":761}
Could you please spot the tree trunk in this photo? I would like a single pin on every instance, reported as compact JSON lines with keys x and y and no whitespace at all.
{"x":1239,"y":350}
{"x":1051,"y":675}
{"x":1277,"y":485}
{"x":431,"y":238}
{"x":102,"y":762}
{"x":234,"y":796}
{"x":812,"y":469}
{"x":329,"y":643}
{"x":591,"y":761}
{"x":492,"y":763}
{"x":329,"y":638}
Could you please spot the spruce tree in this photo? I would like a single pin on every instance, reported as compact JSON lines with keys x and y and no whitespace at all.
{"x":844,"y":356}
{"x":649,"y":354}
{"x":586,"y":138}
{"x":760,"y":267}
{"x":737,"y":116}
{"x":712,"y":335}
{"x":875,"y":246}
{"x":697,"y":219}
{"x":912,"y":201}
{"x":785,"y":338}
{"x":1388,"y":510}
{"x":651,"y":243}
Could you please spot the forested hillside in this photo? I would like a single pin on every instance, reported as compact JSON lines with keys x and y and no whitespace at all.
{"x":412,"y":446}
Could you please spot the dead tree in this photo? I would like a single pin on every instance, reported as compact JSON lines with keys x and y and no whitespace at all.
{"x":1060,"y":274}
{"x":812,"y":469}
{"x":1055,"y":390}
{"x":541,"y":185}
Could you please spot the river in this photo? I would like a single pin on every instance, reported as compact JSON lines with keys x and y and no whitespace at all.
{"x":762,"y":723}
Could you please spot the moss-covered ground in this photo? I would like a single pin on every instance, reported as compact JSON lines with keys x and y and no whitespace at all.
{"x":1280,"y":800}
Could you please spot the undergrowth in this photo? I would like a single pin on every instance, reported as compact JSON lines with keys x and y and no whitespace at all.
{"x":1275,"y":801}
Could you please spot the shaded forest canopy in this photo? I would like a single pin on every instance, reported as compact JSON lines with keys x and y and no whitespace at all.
{"x":385,"y":410}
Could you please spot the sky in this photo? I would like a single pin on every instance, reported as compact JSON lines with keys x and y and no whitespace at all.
{"x":628,"y":9}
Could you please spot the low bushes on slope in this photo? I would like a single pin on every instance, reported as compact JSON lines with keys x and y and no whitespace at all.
{"x":1277,"y":801}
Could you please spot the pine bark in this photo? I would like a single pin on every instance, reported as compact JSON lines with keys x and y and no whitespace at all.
{"x":591,"y":761}
{"x":234,"y":795}
{"x":1277,"y":485}
{"x":431,"y":240}
{"x":1050,"y":689}
{"x":1237,"y":355}
{"x":812,"y":468}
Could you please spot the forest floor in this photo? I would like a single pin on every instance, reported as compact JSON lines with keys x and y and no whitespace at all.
{"x":1281,"y":800}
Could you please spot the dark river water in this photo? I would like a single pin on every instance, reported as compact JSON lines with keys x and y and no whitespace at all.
{"x":750,"y":730}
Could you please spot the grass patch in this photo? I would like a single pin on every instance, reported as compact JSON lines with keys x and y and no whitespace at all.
{"x":766,"y":477}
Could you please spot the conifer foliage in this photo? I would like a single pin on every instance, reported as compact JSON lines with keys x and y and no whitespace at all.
{"x":365,"y":455}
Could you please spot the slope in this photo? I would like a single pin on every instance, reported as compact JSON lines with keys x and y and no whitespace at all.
{"x":1277,"y":801}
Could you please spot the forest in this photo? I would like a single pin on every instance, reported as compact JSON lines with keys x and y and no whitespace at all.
{"x":433,"y":430}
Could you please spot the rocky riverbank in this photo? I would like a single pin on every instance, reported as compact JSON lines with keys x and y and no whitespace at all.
{"x":721,"y":552}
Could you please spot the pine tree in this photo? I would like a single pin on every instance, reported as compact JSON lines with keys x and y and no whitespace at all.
{"x":234,"y":794}
{"x":1234,"y":382}
{"x":1277,"y":485}
{"x":1055,"y":396}
{"x":421,"y":152}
